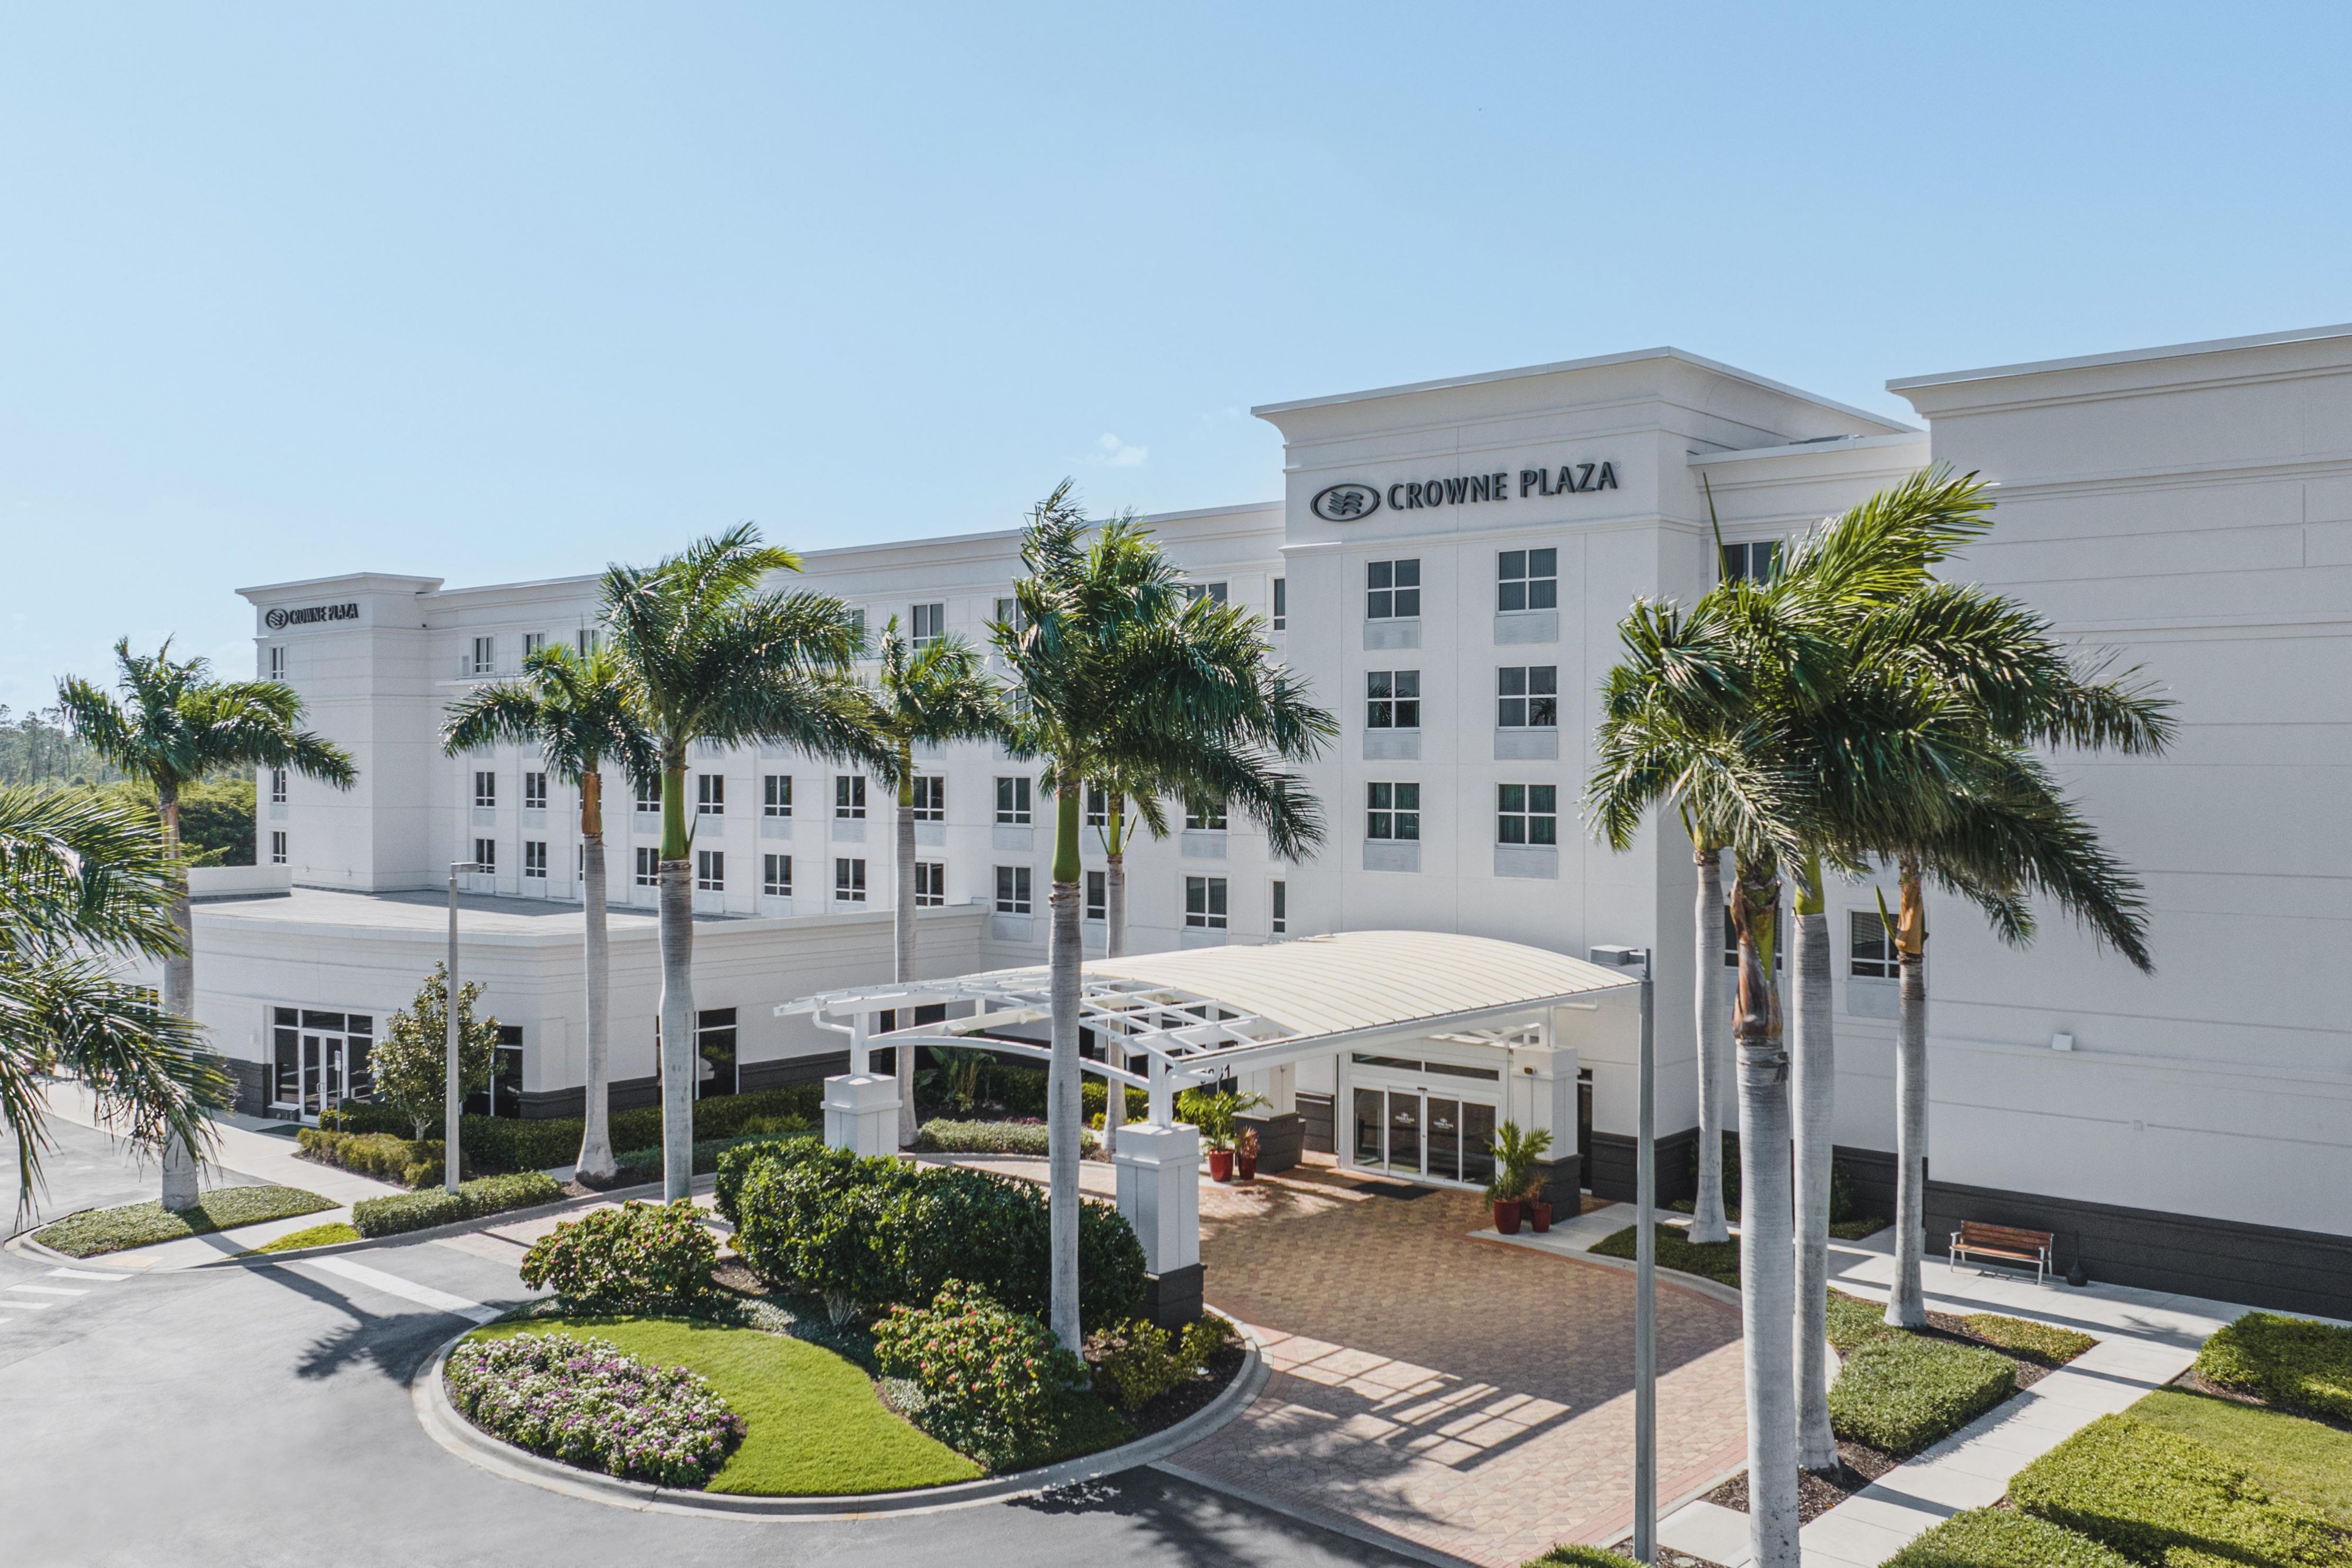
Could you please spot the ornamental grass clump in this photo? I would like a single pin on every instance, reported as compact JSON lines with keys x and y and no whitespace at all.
{"x":583,"y":1402}
{"x":641,"y":1257}
{"x":988,"y":1380}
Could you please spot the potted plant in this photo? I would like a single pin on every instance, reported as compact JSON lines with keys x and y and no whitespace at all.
{"x":1212,"y":1112}
{"x":1533,"y":1206}
{"x":1246,"y":1153}
{"x":1516,"y":1154}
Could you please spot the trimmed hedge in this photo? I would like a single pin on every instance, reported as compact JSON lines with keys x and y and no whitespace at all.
{"x":410,"y":1161}
{"x":1995,"y":1538}
{"x":2043,"y":1342}
{"x":1717,"y":1260}
{"x":2290,"y":1363}
{"x":518,"y":1144}
{"x":2163,"y":1499}
{"x":475,"y":1199}
{"x":866,"y":1234}
{"x":639,"y":1165}
{"x":640,"y":1257}
{"x":1900,"y":1392}
{"x":989,"y":1138}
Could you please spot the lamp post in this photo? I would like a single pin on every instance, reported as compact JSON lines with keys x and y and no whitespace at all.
{"x":1646,"y":1285}
{"x":451,"y":1107}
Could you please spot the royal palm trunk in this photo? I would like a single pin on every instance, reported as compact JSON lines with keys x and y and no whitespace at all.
{"x":1714,"y":1050}
{"x":1765,"y":1266}
{"x":596,"y":1163}
{"x":903,"y":964}
{"x":1814,"y":1087}
{"x":678,"y":1054}
{"x":1114,"y":947}
{"x":180,"y":1164}
{"x":1063,"y":1102}
{"x":1907,"y":1307}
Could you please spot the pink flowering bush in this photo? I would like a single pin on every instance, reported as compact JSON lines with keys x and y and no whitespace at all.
{"x":988,"y":1379}
{"x":641,"y":1256}
{"x":585,"y":1403}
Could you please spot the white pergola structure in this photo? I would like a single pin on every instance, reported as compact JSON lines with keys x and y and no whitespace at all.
{"x":1197,"y":1015}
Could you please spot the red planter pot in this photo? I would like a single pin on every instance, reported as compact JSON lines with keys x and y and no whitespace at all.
{"x":1249,"y":1164}
{"x":1538,"y":1217}
{"x":1507,"y":1218}
{"x":1221,"y":1164}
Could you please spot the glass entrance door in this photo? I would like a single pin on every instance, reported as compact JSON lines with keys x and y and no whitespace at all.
{"x":1413,"y":1132}
{"x":324,"y":1083}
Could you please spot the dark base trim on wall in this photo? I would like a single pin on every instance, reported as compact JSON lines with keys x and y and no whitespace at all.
{"x":1315,"y":1114}
{"x":619,"y":1095}
{"x":753,"y":1076}
{"x":1562,"y":1183}
{"x":1174,"y":1299}
{"x":1610,"y":1165}
{"x":1281,"y":1135}
{"x":252,"y":1085}
{"x":2229,"y":1260}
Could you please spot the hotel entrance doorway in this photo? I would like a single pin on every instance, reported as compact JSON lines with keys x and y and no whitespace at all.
{"x":1426,"y":1121}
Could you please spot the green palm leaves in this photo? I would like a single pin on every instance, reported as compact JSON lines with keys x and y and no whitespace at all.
{"x":574,"y":708}
{"x":930,"y":695}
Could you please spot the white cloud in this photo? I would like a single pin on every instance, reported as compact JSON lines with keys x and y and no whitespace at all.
{"x":1109,"y":449}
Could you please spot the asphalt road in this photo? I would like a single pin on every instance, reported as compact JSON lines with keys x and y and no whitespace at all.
{"x":262,"y":1415}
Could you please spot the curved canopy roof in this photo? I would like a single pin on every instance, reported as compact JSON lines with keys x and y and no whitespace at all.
{"x":1299,"y":995}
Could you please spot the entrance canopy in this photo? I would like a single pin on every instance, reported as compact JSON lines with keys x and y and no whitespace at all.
{"x":1200,"y":1013}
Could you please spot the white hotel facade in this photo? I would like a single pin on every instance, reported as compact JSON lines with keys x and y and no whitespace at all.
{"x":1446,"y":564}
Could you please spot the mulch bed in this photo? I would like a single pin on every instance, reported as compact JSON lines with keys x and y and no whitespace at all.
{"x":1667,"y":1556}
{"x":1191,"y":1398}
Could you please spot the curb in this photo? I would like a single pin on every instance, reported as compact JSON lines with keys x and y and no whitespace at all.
{"x":442,"y":1422}
{"x":431,"y":1233}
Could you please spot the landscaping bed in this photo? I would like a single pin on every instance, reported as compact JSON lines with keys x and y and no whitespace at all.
{"x":477,"y":1199}
{"x":496,"y":1144}
{"x":328,"y":1235}
{"x":99,"y":1230}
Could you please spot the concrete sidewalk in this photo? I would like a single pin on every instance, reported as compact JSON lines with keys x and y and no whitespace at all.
{"x":269,"y":1157}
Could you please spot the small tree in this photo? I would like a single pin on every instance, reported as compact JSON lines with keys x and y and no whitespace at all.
{"x":412,"y":1061}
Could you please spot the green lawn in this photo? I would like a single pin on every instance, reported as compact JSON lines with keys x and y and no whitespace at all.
{"x":2290,"y":1455}
{"x":814,"y":1425}
{"x":1717,"y":1260}
{"x":97,"y":1230}
{"x":315,"y":1236}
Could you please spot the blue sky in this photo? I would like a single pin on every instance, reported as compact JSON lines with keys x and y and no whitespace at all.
{"x":491,"y":292}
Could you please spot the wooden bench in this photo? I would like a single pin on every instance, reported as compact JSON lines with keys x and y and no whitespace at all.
{"x":1975,"y":1239}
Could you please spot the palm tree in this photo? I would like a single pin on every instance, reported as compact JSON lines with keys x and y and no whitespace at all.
{"x":576,"y":710}
{"x":1708,"y":1219}
{"x":1129,"y":804}
{"x":930,"y":695}
{"x":1116,"y":675}
{"x":82,"y":879}
{"x":709,"y":655}
{"x":175,"y":725}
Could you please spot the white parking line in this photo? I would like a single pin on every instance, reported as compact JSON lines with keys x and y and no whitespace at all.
{"x":34,"y":1306}
{"x":46,"y":1290}
{"x":407,"y":1290}
{"x":84,"y":1274}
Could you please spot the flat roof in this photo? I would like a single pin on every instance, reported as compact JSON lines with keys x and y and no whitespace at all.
{"x":1593,"y":362}
{"x":2125,"y":356}
{"x":423,"y":909}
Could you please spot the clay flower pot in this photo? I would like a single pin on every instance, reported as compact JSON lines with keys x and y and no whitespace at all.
{"x":1507,"y":1218}
{"x":1247,"y":1165}
{"x":1221,"y":1164}
{"x":1539,"y":1215}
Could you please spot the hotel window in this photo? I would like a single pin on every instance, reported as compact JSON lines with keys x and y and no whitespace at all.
{"x":1873,"y":955}
{"x":711,"y":870}
{"x":1008,"y":613}
{"x":1526,"y":696}
{"x":277,"y":849}
{"x":857,"y":626}
{"x":1392,"y":810}
{"x":1204,"y":816}
{"x":930,"y":624}
{"x":533,"y":642}
{"x":1098,"y":805}
{"x":277,"y":661}
{"x":1204,"y":902}
{"x":849,"y":881}
{"x":486,"y":855}
{"x":776,"y":876}
{"x":277,"y":786}
{"x":1281,"y":603}
{"x":849,"y":796}
{"x":1214,"y":592}
{"x":1731,"y":945}
{"x":1013,"y":802}
{"x":779,"y":794}
{"x":485,"y":787}
{"x":1392,"y":590}
{"x":648,"y":866}
{"x":1012,"y":890}
{"x":649,"y":797}
{"x":931,"y":798}
{"x":1527,"y":579}
{"x":711,"y":794}
{"x":1281,"y":907}
{"x":1527,"y":813}
{"x":484,"y":655}
{"x":588,"y":640}
{"x":534,"y":858}
{"x":930,"y":885}
{"x":1753,"y":562}
{"x":1097,"y":895}
{"x":1392,"y":699}
{"x":534,"y":791}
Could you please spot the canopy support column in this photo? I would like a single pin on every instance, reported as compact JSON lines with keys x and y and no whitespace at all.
{"x":1159,"y":1166}
{"x":861,"y":1109}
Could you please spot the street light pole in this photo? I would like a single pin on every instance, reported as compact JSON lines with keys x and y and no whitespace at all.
{"x":451,"y":1107}
{"x":1645,"y":1284}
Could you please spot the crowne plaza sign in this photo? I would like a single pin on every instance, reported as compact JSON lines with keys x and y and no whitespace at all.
{"x":1351,"y":501}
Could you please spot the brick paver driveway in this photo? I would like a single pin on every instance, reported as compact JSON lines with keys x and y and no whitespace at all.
{"x":1469,"y":1397}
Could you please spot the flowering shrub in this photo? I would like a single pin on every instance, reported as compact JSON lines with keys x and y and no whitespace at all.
{"x":644,"y":1255}
{"x":586,"y":1404}
{"x":1135,"y":1362}
{"x":988,"y":1378}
